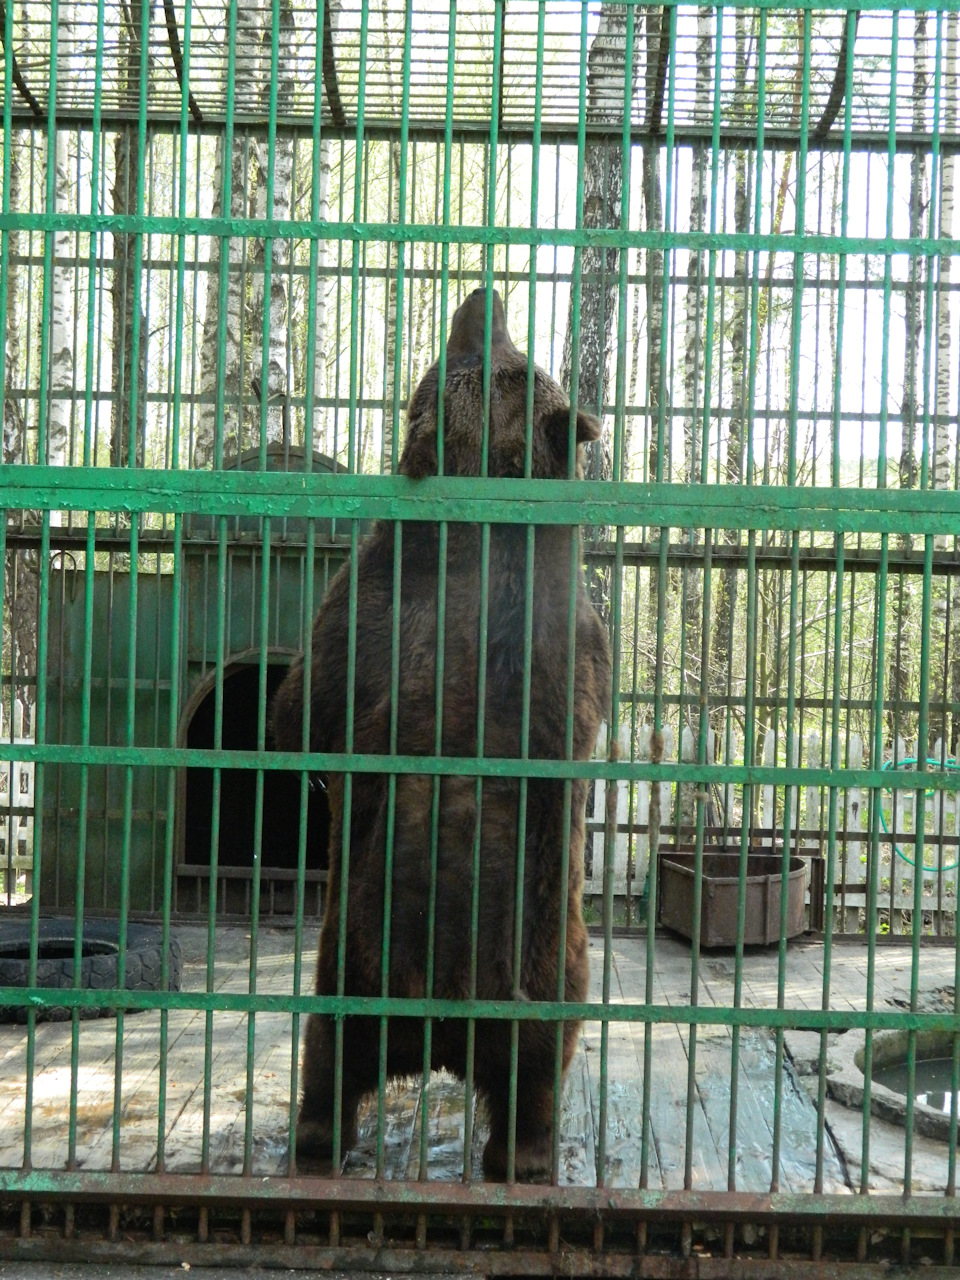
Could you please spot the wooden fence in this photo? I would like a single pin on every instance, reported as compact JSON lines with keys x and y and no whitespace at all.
{"x":16,"y":809}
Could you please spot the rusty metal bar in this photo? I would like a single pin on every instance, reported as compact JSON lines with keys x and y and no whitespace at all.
{"x":359,"y":1194}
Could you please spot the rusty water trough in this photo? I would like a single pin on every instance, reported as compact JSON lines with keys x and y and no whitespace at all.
{"x":720,"y":896}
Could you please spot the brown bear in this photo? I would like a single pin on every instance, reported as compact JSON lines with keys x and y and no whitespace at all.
{"x":490,"y":814}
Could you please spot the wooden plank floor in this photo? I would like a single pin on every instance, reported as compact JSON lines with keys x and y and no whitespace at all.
{"x":685,"y":1080}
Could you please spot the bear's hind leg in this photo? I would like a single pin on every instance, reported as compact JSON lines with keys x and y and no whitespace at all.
{"x":533,"y":1157}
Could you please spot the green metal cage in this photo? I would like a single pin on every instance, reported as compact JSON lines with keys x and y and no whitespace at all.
{"x":233,"y":238}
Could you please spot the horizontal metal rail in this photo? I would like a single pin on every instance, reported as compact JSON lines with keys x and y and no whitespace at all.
{"x":495,"y":501}
{"x":775,"y":139}
{"x":489,"y":767}
{"x":484,"y":1197}
{"x":434,"y":234}
{"x":495,"y":1010}
{"x":640,"y":554}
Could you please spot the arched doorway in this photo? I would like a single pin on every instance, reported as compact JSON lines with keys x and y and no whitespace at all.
{"x":280,"y":830}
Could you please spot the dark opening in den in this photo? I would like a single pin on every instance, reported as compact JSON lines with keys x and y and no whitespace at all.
{"x":238,"y":787}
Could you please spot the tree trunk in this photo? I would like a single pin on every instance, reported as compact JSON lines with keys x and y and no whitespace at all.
{"x":768,"y":678}
{"x":20,"y":569}
{"x":215,"y":380}
{"x":633,"y":381}
{"x":320,"y":419}
{"x":62,"y":369}
{"x":278,"y":359}
{"x":393,"y":322}
{"x":602,"y":207}
{"x":899,"y":721}
{"x":14,"y":428}
{"x":126,"y":264}
{"x":725,"y":586}
{"x":653,"y":216}
{"x":944,"y":431}
{"x":693,"y":339}
{"x":322,"y":438}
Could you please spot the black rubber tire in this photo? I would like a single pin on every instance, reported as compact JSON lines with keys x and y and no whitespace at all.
{"x":98,"y":966}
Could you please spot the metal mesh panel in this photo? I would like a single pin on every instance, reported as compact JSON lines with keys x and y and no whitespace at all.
{"x":233,"y":241}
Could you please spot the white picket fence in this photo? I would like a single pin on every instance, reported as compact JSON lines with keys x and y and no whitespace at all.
{"x":16,"y":808}
{"x":809,"y":821}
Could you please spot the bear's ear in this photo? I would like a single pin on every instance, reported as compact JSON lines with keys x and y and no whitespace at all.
{"x":588,"y":427}
{"x":557,"y":428}
{"x":419,"y":456}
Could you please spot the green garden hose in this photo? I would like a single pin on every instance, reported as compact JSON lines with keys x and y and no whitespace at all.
{"x":949,"y":763}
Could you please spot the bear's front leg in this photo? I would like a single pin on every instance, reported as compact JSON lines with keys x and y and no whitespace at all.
{"x":317,"y":1101}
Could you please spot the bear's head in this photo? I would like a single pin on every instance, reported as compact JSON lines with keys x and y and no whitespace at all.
{"x":553,"y":419}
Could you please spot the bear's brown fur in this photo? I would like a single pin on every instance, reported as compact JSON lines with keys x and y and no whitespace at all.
{"x":499,"y":808}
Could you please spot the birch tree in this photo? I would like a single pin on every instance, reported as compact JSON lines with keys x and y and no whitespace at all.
{"x":21,"y":594}
{"x":394,"y":259}
{"x":653,"y":216}
{"x":602,"y":207}
{"x":693,"y":339}
{"x":281,"y":163}
{"x":944,"y":438}
{"x":725,"y":588}
{"x":901,"y":658}
{"x":63,"y":355}
{"x":14,"y":435}
{"x":770,"y":582}
{"x":20,"y":567}
{"x":128,"y":163}
{"x":333,"y":10}
{"x":215,"y":379}
{"x":321,"y":361}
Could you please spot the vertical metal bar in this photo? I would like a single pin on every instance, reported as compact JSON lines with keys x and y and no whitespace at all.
{"x":130,"y":707}
{"x":788,"y":817}
{"x":40,"y":735}
{"x":703,"y":709}
{"x":575,"y":571}
{"x":43,"y":593}
{"x":309,"y":572}
{"x":442,"y":563}
{"x":258,"y":816}
{"x":353,"y":464}
{"x":389,"y":845}
{"x":169,"y":850}
{"x":616,"y":587}
{"x":923,"y":746}
{"x":530,"y":551}
{"x":750,"y":690}
{"x":488,"y":277}
{"x":219,"y":651}
{"x":656,"y":741}
{"x":89,"y":575}
{"x":80,"y":882}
